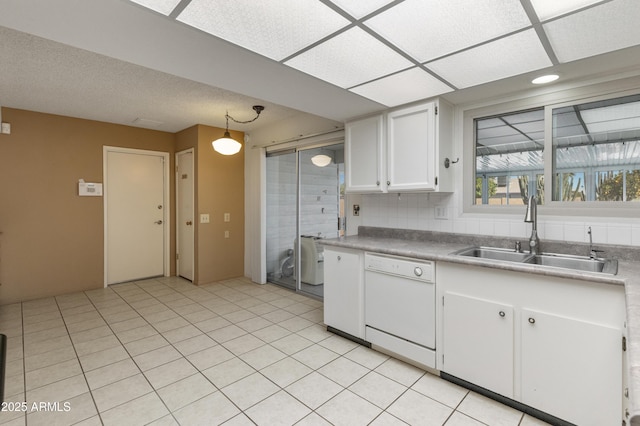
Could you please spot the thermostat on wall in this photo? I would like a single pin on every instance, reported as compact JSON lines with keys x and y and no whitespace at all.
{"x":86,"y":189}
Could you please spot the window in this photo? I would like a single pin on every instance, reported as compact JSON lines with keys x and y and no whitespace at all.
{"x":509,"y":162}
{"x":596,"y":151}
{"x":590,"y":154}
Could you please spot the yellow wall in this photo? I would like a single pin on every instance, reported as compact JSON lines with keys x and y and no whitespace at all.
{"x":52,"y":240}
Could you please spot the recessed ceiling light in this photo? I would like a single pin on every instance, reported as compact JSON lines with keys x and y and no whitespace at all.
{"x":545,"y":79}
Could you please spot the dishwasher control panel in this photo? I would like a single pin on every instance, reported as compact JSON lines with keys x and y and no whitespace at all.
{"x":422,"y":270}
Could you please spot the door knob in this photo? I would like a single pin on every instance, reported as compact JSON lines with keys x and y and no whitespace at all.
{"x":189,"y":222}
{"x":158,"y":222}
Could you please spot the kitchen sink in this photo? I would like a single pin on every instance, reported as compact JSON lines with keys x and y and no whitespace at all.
{"x":494,"y":253}
{"x":579,"y":263}
{"x":557,"y":260}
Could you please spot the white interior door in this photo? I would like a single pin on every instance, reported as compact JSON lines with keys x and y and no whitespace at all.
{"x":135,"y":214}
{"x":185,"y":209}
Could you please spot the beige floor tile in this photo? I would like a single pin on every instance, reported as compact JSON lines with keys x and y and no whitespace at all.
{"x":243,"y":344}
{"x":439,"y":389}
{"x":49,"y":345}
{"x":413,"y":408}
{"x":315,"y":356}
{"x":250,"y":390}
{"x":226,"y":333}
{"x":100,"y":359}
{"x":207,"y":358}
{"x":179,"y":334}
{"x":316,"y":333}
{"x":489,"y":411}
{"x":366,"y":357}
{"x":139,"y":411}
{"x":134,"y":334}
{"x":313,"y":419}
{"x":216,"y":408}
{"x":338,"y":344}
{"x":286,"y":371}
{"x":271,"y":333}
{"x":122,"y":391}
{"x":280,"y":409}
{"x":228,"y":372}
{"x":291,"y":344}
{"x":170,"y":372}
{"x":156,"y":357}
{"x":128,"y":324}
{"x":49,"y":358}
{"x":170,"y":324}
{"x":97,"y":345}
{"x":262,"y":357}
{"x":91,"y":334}
{"x":62,"y":390}
{"x":459,"y":419}
{"x":138,"y":347}
{"x":314,"y":389}
{"x":399,"y":371}
{"x":85,"y":325}
{"x":343,"y":371}
{"x":196,"y":316}
{"x":194,"y":344}
{"x":53,"y":373}
{"x":378,"y":389}
{"x":348,"y":409}
{"x":185,"y":391}
{"x":254,"y":324}
{"x":46,"y":334}
{"x":386,"y":419}
{"x":111,"y":373}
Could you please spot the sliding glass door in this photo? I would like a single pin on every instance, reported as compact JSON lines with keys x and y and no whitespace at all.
{"x":304,"y":205}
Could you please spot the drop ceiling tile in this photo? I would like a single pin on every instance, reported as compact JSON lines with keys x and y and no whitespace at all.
{"x":403,"y":87}
{"x":600,"y":29}
{"x":349,"y":59}
{"x":547,"y":9}
{"x":430,"y":29}
{"x":162,"y":6}
{"x":506,"y":57}
{"x":360,"y":8}
{"x":274,"y":32}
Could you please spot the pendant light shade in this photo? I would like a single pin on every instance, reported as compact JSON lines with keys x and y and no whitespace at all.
{"x":321,"y":160}
{"x":227,"y":145}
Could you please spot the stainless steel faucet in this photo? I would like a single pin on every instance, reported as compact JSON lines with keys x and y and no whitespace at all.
{"x":593,"y":253}
{"x":531,"y":216}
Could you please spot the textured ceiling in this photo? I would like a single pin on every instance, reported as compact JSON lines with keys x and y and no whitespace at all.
{"x":117,"y":61}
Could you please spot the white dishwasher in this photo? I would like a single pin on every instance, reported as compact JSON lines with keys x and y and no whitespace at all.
{"x":400,"y":306}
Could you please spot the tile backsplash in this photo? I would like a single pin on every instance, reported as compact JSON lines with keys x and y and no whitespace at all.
{"x":418,"y":211}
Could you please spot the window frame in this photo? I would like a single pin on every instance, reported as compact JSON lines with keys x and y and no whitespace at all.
{"x":566,"y":96}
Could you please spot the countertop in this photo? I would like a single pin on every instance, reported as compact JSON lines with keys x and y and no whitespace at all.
{"x":438,"y":246}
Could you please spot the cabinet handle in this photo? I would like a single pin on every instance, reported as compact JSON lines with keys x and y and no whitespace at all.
{"x":388,"y":183}
{"x":377,"y":183}
{"x":339,"y":258}
{"x":501,"y":313}
{"x":532,"y":320}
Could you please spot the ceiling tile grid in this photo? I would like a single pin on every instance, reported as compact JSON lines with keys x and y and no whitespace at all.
{"x":399,"y":51}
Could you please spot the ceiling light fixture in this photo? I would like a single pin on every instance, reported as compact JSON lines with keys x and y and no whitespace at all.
{"x":545,"y":79}
{"x":226,"y":145}
{"x":321,"y":160}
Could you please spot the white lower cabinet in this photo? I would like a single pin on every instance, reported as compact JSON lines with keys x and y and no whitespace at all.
{"x":571,"y":368}
{"x":478,"y":337}
{"x":551,"y":343}
{"x":344,"y":290}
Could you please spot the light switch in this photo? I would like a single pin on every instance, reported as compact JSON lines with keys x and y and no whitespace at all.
{"x":204,"y":218}
{"x":226,"y":234}
{"x":227,"y":217}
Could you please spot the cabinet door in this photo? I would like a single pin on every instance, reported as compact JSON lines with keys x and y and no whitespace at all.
{"x":411,"y":148}
{"x":478,"y":342}
{"x":572,"y":369}
{"x":364,"y":155}
{"x":343,"y":291}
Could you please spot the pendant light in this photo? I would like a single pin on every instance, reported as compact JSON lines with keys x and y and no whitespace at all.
{"x":226,"y":145}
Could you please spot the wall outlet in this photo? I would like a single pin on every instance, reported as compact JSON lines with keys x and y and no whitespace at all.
{"x":204,"y":218}
{"x":356,"y":209}
{"x":441,"y":213}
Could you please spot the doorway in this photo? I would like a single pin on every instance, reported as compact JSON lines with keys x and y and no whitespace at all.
{"x":305,"y":193}
{"x":185,"y":214}
{"x":136,"y":219}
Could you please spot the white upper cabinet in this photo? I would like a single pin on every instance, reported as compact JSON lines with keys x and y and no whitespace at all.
{"x":364,"y":171}
{"x":408,"y":155}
